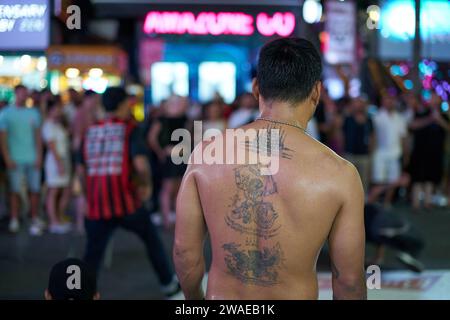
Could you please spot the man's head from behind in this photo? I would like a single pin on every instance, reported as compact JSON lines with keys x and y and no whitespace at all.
{"x":71,"y":279}
{"x":115,"y":101}
{"x":289,"y":71}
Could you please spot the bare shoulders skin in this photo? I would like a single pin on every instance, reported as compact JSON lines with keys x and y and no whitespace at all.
{"x":267,"y":231}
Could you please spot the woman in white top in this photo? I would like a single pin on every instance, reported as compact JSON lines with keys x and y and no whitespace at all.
{"x":57,"y":167}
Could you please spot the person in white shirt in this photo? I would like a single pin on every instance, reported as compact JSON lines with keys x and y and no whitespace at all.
{"x":57,"y":167}
{"x":391,"y":134}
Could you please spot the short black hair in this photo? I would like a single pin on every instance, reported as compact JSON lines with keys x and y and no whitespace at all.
{"x":54,"y":102}
{"x":19,"y":86}
{"x":89,"y":93}
{"x":288,"y":69}
{"x":59,"y":277}
{"x":113,"y":97}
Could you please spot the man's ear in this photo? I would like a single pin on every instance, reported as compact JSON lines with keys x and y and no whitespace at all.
{"x":255,"y":89}
{"x":315,"y":94}
{"x":47,"y":295}
{"x":96,"y":296}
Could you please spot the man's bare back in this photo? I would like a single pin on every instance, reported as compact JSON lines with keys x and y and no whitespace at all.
{"x":267,"y":231}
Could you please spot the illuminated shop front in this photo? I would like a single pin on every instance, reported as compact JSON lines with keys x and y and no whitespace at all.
{"x":201,"y":48}
{"x":24,"y":37}
{"x":395,"y":45}
{"x":85,"y":67}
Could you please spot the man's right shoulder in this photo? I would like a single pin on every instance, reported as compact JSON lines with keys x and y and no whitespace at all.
{"x":344,"y":173}
{"x":332,"y":162}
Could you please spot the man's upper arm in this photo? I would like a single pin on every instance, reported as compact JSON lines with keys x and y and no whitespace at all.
{"x":347,"y":236}
{"x":190,"y":229}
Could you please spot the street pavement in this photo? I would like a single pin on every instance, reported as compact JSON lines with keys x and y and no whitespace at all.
{"x":25,"y":262}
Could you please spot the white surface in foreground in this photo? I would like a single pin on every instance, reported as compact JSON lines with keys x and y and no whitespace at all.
{"x":396,"y":285}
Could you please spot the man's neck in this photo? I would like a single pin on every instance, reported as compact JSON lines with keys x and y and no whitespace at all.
{"x":286,"y":112}
{"x":114,"y":115}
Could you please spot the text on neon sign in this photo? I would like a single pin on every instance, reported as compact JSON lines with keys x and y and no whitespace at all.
{"x":222,"y":23}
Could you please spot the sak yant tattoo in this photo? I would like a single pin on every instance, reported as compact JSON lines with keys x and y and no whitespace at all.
{"x":253,"y":214}
{"x":250,"y":214}
{"x":253,"y":266}
{"x":263,"y":143}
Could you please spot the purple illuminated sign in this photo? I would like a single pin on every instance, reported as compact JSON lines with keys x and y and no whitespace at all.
{"x":219,"y":23}
{"x":24,"y":24}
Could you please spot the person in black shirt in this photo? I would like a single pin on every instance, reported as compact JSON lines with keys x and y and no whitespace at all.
{"x":173,"y":117}
{"x":387,"y":229}
{"x":358,"y":135}
{"x":429,"y":128}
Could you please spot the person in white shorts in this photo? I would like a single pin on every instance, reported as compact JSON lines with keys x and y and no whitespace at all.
{"x":57,"y":167}
{"x":391,"y":133}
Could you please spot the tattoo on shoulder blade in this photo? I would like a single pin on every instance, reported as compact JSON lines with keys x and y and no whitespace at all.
{"x":254,"y":215}
{"x":263,"y":143}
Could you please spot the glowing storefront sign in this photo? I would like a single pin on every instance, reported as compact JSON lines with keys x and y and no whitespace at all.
{"x":24,"y":24}
{"x":221,"y":23}
{"x":397,"y":29}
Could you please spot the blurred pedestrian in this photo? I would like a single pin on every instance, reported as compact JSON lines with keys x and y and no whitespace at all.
{"x":246,"y":112}
{"x":3,"y":176}
{"x":358,"y":134}
{"x":71,"y":107}
{"x":429,"y":128}
{"x":324,"y":116}
{"x":41,"y":104}
{"x":391,"y":137}
{"x":386,"y":229}
{"x":214,"y":119}
{"x":57,"y":167}
{"x":115,"y":169}
{"x":335,"y":138}
{"x":85,"y":116}
{"x":21,"y":143}
{"x":173,"y":117}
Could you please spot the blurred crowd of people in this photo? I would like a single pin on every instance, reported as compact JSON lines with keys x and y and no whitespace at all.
{"x":39,"y":137}
{"x":399,"y":144}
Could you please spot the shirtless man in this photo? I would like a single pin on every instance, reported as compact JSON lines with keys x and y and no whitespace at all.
{"x":267,"y":231}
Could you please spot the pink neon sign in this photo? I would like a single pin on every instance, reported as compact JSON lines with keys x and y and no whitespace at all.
{"x":222,"y":23}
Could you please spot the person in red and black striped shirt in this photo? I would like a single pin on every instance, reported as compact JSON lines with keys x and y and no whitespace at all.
{"x":116,"y":174}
